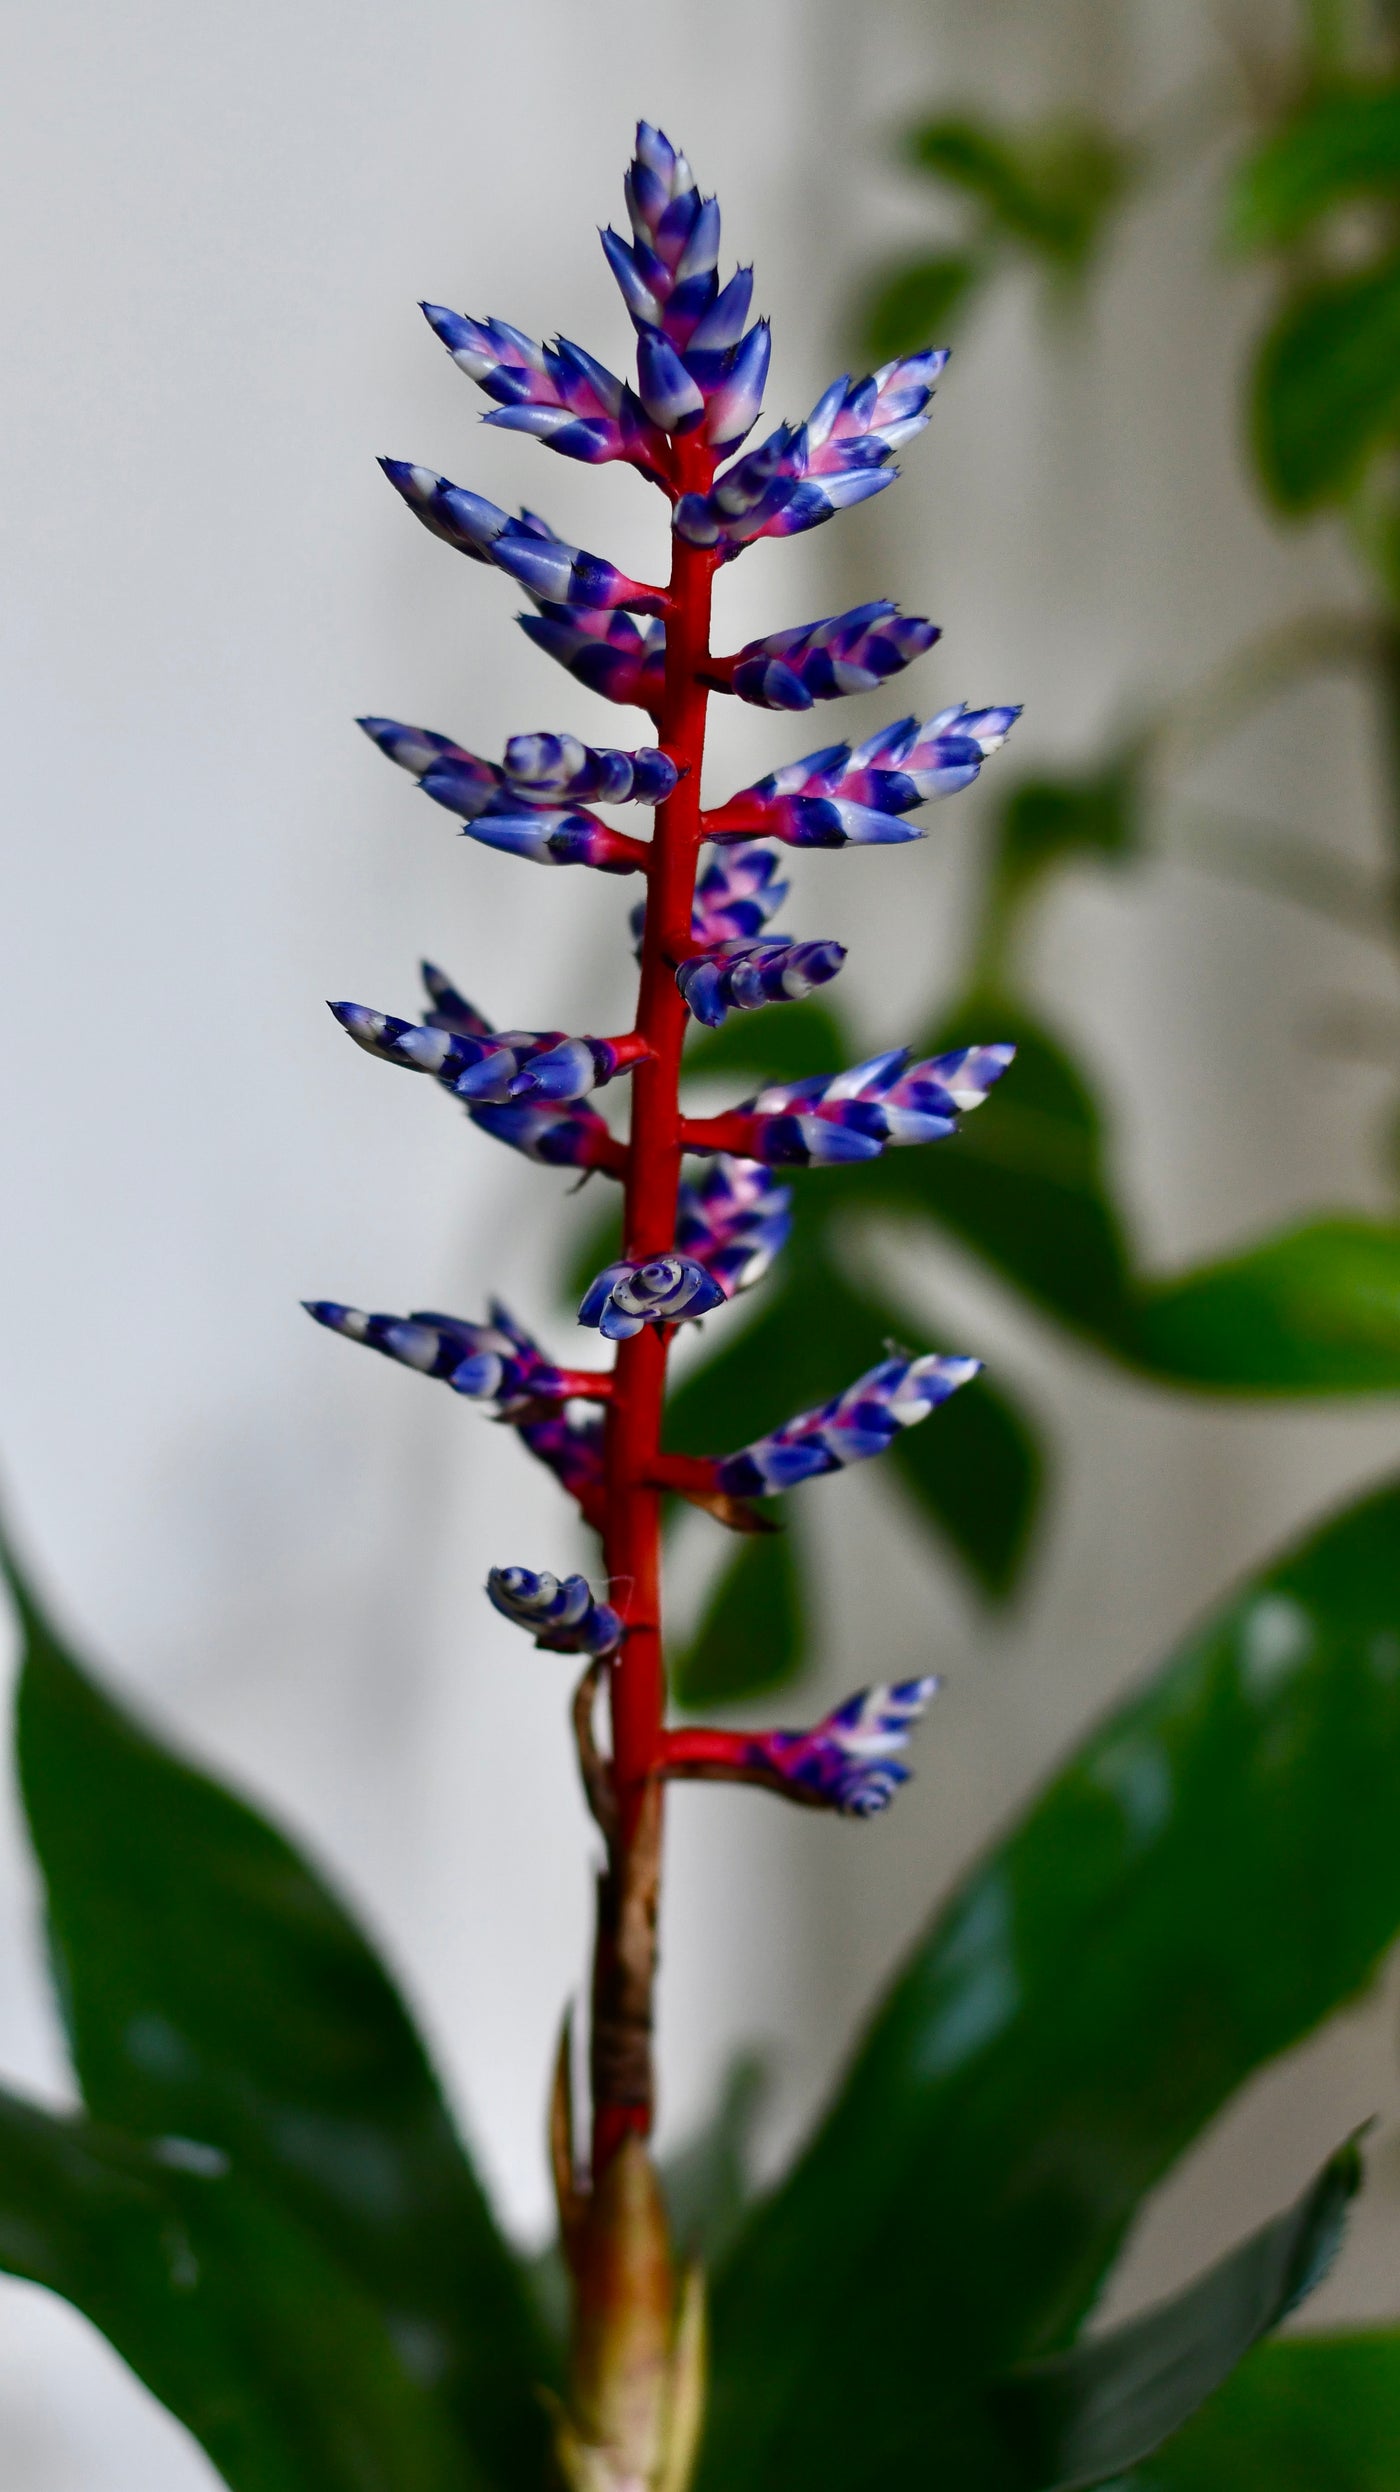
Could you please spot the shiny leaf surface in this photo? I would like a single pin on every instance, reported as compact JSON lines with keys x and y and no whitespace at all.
{"x":224,"y":2306}
{"x":1307,"y":2414}
{"x":1343,"y":144}
{"x":1091,"y":2413}
{"x":215,"y":1988}
{"x":1214,"y":1872}
{"x":1327,"y":386}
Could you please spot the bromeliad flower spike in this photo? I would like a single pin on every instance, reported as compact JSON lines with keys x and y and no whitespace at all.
{"x":691,"y":1242}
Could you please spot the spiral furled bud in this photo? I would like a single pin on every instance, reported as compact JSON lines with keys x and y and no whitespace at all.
{"x":855,"y":1114}
{"x":822,"y":661}
{"x":804,"y":473}
{"x":733,"y":1220}
{"x":670,"y":1289}
{"x":846,"y":795}
{"x":857,"y":1424}
{"x":740,"y":976}
{"x":563,"y":1616}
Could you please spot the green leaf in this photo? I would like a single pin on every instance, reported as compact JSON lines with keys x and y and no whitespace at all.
{"x":1216,"y":1871}
{"x":225,"y":2307}
{"x":752,"y":1633}
{"x":214,"y":1988}
{"x":1342,"y":145}
{"x":1308,"y":2414}
{"x":1314,"y":1310}
{"x":1049,"y":186}
{"x":1083,"y":2416}
{"x":917,"y":303}
{"x":1327,"y":386}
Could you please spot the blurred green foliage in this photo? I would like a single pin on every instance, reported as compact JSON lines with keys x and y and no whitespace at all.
{"x":264,"y":2207}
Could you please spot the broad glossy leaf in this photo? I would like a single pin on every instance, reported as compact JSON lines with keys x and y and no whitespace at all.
{"x":1327,"y":386}
{"x":1091,"y":2413}
{"x":752,"y":1633}
{"x":1341,"y":145}
{"x":1049,"y":186}
{"x":917,"y":303}
{"x":214,"y":1987}
{"x":1315,"y":1310}
{"x":224,"y":2306}
{"x":1306,"y":2414}
{"x":1215,"y":1871}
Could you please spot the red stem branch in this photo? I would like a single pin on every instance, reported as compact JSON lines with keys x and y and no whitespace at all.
{"x":632,"y":1536}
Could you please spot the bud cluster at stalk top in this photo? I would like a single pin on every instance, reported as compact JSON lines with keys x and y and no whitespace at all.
{"x":682,"y":420}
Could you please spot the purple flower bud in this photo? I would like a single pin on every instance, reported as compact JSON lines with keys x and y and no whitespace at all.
{"x":563,"y":1616}
{"x":557,"y":1137}
{"x":670,"y":1289}
{"x":859,"y":1423}
{"x":666,"y":390}
{"x":560,"y":575}
{"x":740,"y":976}
{"x":733,"y":1220}
{"x":464,"y":520}
{"x":723,"y":324}
{"x":736,"y":895}
{"x":610,"y":653}
{"x":822,"y":661}
{"x":736,"y":401}
{"x":851,"y":1760}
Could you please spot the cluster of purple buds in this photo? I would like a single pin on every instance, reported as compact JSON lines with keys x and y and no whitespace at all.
{"x":528,"y":806}
{"x":856,"y":1114}
{"x":555,"y":1135}
{"x":845,"y":796}
{"x":562,"y":1616}
{"x":670,"y":1289}
{"x":526,"y":549}
{"x":859,"y":1423}
{"x":733,"y":1220}
{"x":490,"y":1071}
{"x":735,"y":896}
{"x":851,"y":1760}
{"x":500,"y":1365}
{"x":697,"y":366}
{"x":804,"y":473}
{"x":741,"y":976}
{"x":852,"y":652}
{"x":557,"y":393}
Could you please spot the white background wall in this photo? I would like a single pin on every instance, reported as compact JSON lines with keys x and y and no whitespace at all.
{"x":217,"y":225}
